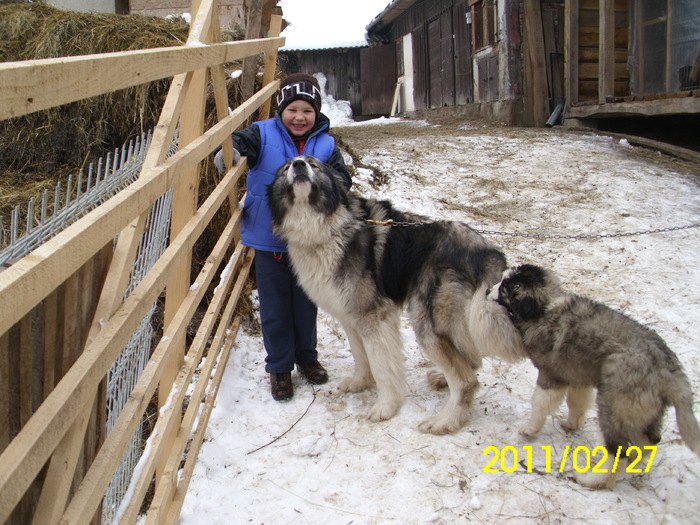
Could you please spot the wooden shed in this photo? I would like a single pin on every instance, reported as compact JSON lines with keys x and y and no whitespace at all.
{"x":539,"y":62}
{"x":634,"y":64}
{"x":340,"y":65}
{"x":454,"y":55}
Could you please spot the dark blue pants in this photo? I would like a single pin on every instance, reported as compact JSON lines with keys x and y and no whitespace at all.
{"x":287,"y":315}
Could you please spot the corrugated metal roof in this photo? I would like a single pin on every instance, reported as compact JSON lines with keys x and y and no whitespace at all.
{"x":386,"y":17}
{"x":335,"y":45}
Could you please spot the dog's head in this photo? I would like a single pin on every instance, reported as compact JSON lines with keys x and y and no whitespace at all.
{"x":304,"y":189}
{"x":526,"y":291}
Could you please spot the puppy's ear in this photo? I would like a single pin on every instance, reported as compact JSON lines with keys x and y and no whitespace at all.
{"x":526,"y":309}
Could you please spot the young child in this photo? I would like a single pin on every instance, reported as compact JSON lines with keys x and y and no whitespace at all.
{"x":287,"y":315}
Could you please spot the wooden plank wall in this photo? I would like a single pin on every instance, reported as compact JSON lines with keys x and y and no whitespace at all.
{"x":340,"y":66}
{"x":616,"y":74}
{"x":38,"y":351}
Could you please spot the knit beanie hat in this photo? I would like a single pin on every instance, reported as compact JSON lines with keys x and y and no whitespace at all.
{"x":299,"y":86}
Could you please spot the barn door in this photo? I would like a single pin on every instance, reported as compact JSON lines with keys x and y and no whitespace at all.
{"x":464,"y":91}
{"x":434,"y":65}
{"x":378,"y":79}
{"x":447,"y":58}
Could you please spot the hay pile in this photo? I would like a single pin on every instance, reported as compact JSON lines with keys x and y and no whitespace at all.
{"x":40,"y":148}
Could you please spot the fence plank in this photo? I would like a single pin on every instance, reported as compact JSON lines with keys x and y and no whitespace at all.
{"x":4,"y":391}
{"x":34,"y":85}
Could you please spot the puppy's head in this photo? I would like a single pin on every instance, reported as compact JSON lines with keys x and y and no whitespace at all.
{"x":525,"y":291}
{"x":304,"y":184}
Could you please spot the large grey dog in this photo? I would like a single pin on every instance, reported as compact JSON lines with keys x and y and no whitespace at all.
{"x":361,"y":270}
{"x":577,"y":345}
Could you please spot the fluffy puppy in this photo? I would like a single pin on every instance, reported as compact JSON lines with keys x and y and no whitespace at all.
{"x":577,"y":345}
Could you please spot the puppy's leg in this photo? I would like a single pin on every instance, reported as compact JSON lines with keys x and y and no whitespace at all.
{"x":381,"y":336}
{"x":362,"y":376}
{"x":579,"y":401}
{"x":544,"y":402}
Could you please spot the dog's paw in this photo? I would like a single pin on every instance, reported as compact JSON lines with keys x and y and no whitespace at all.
{"x":440,"y":425}
{"x":436,"y":379}
{"x":572,"y":423}
{"x":596,"y":480}
{"x":529,"y":430}
{"x":353,"y":385}
{"x":383,"y":411}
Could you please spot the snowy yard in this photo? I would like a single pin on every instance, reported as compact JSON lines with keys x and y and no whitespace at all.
{"x":317,"y":459}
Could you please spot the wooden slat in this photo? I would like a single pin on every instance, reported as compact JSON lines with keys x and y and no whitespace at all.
{"x":589,"y":71}
{"x":4,"y":391}
{"x":184,"y":206}
{"x":606,"y":45}
{"x":270,"y":64}
{"x":174,"y":506}
{"x":571,"y":51}
{"x":537,"y":92}
{"x":170,"y":454}
{"x":34,"y":85}
{"x":33,"y":277}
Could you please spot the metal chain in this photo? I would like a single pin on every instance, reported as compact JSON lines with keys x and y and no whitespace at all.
{"x":390,"y":222}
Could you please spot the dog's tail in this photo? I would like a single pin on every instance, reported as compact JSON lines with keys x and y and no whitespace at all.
{"x":681,"y":397}
{"x":492,"y":330}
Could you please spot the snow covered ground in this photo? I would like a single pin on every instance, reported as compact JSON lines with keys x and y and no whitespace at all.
{"x":317,"y":459}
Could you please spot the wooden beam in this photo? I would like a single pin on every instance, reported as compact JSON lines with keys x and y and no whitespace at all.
{"x":571,"y":52}
{"x":606,"y":55}
{"x":646,"y":108}
{"x":270,"y":64}
{"x":35,"y":85}
{"x":537,"y":97}
{"x":184,"y":206}
{"x":250,"y":63}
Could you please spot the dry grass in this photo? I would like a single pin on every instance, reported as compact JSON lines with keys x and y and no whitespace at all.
{"x":48,"y":145}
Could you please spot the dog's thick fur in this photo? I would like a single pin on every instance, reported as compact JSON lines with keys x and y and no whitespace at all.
{"x":577,"y":345}
{"x":362,"y":273}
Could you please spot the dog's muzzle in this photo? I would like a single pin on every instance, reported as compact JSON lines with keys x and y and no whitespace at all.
{"x":299,"y":171}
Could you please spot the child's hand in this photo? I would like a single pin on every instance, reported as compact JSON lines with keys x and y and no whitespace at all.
{"x":219,"y":160}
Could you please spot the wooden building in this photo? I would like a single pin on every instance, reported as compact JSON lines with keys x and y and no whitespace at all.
{"x":534,"y":62}
{"x":454,"y":55}
{"x":340,"y":65}
{"x":635,"y":64}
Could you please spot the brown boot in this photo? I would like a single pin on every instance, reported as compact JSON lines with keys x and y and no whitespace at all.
{"x":314,"y":373}
{"x":281,"y":386}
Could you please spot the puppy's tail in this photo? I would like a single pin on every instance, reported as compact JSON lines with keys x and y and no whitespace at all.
{"x":492,"y":330}
{"x":681,"y":397}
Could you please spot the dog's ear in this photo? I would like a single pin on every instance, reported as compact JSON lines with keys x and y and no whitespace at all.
{"x":526,"y":309}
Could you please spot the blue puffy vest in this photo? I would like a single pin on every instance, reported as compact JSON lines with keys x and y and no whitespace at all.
{"x":276,"y":147}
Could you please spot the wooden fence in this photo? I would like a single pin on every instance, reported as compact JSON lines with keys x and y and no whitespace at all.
{"x":63,"y":319}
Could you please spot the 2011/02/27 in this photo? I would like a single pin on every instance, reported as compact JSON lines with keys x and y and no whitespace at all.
{"x":583,"y":459}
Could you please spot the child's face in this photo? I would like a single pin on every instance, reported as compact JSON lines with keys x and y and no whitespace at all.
{"x":299,"y":117}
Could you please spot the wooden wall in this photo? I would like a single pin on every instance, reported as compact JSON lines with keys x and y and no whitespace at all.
{"x":588,"y":49}
{"x":37,"y":352}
